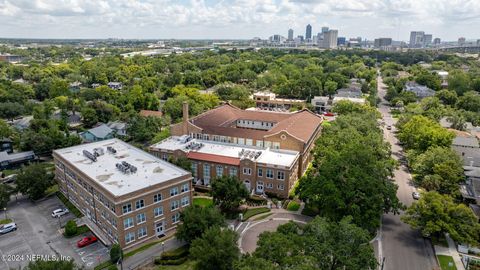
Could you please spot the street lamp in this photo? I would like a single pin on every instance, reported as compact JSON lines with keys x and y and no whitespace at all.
{"x":5,"y":209}
{"x":163,"y":247}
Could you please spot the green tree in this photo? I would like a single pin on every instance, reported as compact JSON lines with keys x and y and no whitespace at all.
{"x":10,"y":110}
{"x":347,"y":107}
{"x":196,"y":220}
{"x":330,"y":88}
{"x":4,"y":195}
{"x":435,"y":214}
{"x":216,"y":250}
{"x":143,"y":129}
{"x":458,"y":121}
{"x":71,"y":228}
{"x":470,"y":101}
{"x":89,"y":116}
{"x":439,"y":169}
{"x":52,"y":265}
{"x":447,"y":97}
{"x":228,"y":192}
{"x":350,"y":172}
{"x":321,"y":244}
{"x":5,"y":130}
{"x":420,"y":133}
{"x":115,"y":253}
{"x":459,"y":82}
{"x":33,"y":180}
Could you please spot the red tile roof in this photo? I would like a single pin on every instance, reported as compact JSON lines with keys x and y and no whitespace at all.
{"x":302,"y":124}
{"x":213,"y":158}
{"x":147,"y":113}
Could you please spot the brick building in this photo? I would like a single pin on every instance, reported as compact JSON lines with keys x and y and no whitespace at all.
{"x":127,"y":195}
{"x":276,"y":143}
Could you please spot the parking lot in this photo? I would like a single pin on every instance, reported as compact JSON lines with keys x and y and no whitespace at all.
{"x":38,"y":234}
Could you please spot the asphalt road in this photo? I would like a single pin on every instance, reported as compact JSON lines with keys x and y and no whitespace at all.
{"x":402,"y":247}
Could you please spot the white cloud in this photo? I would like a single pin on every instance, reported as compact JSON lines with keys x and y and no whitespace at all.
{"x":231,"y":18}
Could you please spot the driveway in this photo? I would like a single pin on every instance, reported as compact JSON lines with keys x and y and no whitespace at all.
{"x":250,"y":231}
{"x":37,"y":234}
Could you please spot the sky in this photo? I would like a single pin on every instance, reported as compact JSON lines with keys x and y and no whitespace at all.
{"x":236,"y":19}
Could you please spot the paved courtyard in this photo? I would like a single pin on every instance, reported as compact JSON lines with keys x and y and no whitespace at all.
{"x":38,"y":235}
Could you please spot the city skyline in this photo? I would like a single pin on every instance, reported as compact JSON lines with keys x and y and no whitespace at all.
{"x":236,"y":19}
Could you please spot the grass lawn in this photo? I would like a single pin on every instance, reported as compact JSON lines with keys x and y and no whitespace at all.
{"x":260,"y":217}
{"x":254,"y":211}
{"x":51,"y":190}
{"x":203,"y":202}
{"x":293,"y":206}
{"x":5,"y":221}
{"x":188,"y":265}
{"x":444,"y":260}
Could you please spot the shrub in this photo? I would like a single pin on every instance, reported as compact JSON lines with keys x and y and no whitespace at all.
{"x":171,"y":262}
{"x":293,"y":206}
{"x":112,"y":267}
{"x":71,"y":228}
{"x":115,"y":253}
{"x":175,"y":254}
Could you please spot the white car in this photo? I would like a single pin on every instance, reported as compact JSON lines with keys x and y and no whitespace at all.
{"x":416,"y":195}
{"x":9,"y":227}
{"x":59,"y":212}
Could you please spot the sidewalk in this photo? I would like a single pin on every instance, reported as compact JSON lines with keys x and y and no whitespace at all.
{"x":147,"y":256}
{"x":451,"y":250}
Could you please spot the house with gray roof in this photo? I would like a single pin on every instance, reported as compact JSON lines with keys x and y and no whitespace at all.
{"x":119,"y":127}
{"x":10,"y":160}
{"x":22,"y":123}
{"x":99,"y":133}
{"x":421,"y":91}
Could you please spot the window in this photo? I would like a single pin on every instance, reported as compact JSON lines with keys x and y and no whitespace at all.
{"x":276,"y":145}
{"x":185,"y":201}
{"x":142,"y":232}
{"x":280,"y":187}
{"x":174,"y":205}
{"x":269,"y":185}
{"x":157,"y":197}
{"x":129,"y":237}
{"x":127,"y":208}
{"x":114,"y":222}
{"x":249,"y":142}
{"x":260,"y":172}
{"x":141,"y":218}
{"x":127,"y":223}
{"x":158,"y":211}
{"x":176,"y":218}
{"x":247,"y":171}
{"x":281,"y":175}
{"x":219,"y":171}
{"x":185,"y":187}
{"x":140,"y":204}
{"x":241,"y":141}
{"x":259,"y":143}
{"x":269,"y":173}
{"x":165,"y":157}
{"x":174,"y":191}
{"x":194,"y":169}
{"x":206,"y":172}
{"x":268,"y":144}
{"x":233,"y":171}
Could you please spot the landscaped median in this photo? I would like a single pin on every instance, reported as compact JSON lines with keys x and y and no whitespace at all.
{"x":5,"y":221}
{"x":250,"y":212}
{"x":446,"y":262}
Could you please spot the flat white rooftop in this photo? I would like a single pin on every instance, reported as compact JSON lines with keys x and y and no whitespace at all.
{"x":265,"y":155}
{"x":150,"y":170}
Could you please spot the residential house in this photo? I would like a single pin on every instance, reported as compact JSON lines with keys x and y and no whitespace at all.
{"x":6,"y":144}
{"x":22,"y":123}
{"x":115,"y":85}
{"x":421,"y":91}
{"x":147,"y":113}
{"x":98,"y":133}
{"x":11,"y":160}
{"x":74,"y":119}
{"x":120,"y":128}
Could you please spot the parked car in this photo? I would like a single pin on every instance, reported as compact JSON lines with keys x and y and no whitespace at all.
{"x":59,"y":212}
{"x":416,"y":195}
{"x":86,"y":241}
{"x":389,"y":127}
{"x":9,"y":227}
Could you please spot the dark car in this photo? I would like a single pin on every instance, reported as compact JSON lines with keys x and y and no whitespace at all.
{"x":86,"y":241}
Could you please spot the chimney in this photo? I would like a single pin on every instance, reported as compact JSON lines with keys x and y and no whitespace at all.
{"x":185,"y":118}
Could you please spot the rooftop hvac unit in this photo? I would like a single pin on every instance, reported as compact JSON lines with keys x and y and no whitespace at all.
{"x":133,"y":169}
{"x":126,"y":164}
{"x":89,"y":155}
{"x":111,"y":150}
{"x":258,"y":154}
{"x":98,"y":151}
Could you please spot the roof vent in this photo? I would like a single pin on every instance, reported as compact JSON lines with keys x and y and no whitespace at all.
{"x":98,"y":151}
{"x":111,"y":150}
{"x":126,"y":167}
